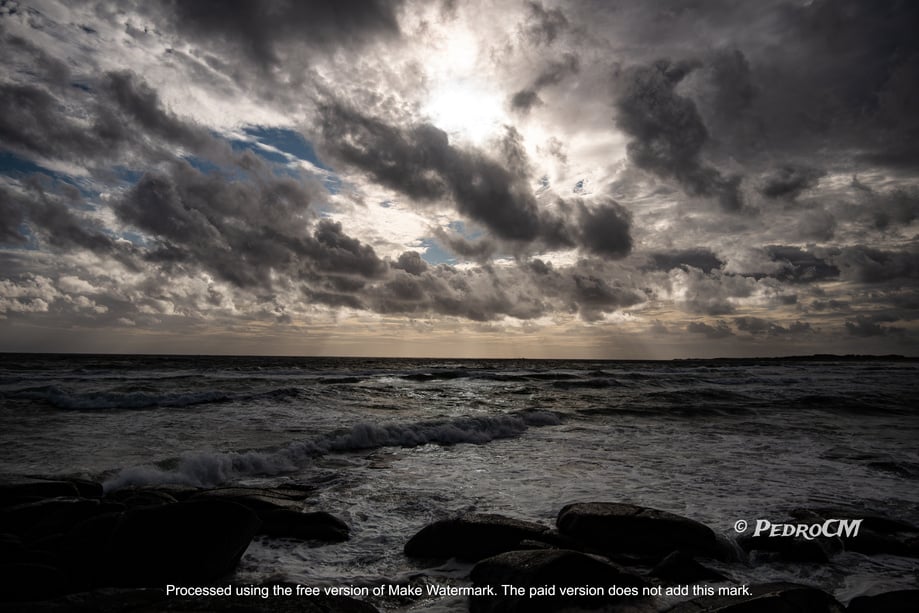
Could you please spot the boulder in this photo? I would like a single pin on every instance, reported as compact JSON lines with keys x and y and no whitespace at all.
{"x":19,"y":490}
{"x":558,"y":568}
{"x":614,"y":529}
{"x":312,"y":526}
{"x":184,"y":543}
{"x":52,"y":515}
{"x":473,"y":536}
{"x":877,"y":534}
{"x":260,"y":501}
{"x":681,"y":568}
{"x":765,"y":598}
{"x":141,"y":497}
{"x":791,"y":549}
{"x":25,"y":581}
{"x":900,"y":601}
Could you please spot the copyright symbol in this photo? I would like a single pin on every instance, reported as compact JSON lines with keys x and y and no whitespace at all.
{"x":740,"y":525}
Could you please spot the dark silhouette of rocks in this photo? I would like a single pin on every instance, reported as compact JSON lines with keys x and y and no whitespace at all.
{"x":473,"y":537}
{"x":613,"y":528}
{"x":900,"y":601}
{"x":555,"y":567}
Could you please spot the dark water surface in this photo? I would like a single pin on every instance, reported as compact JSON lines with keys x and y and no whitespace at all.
{"x":392,"y":444}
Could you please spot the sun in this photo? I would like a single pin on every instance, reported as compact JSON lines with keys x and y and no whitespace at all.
{"x":460,"y":99}
{"x":466,"y":110}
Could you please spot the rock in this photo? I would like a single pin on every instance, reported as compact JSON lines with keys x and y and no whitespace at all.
{"x":472,"y":537}
{"x":27,"y":489}
{"x":28,"y":581}
{"x":317,"y":525}
{"x":84,"y":551}
{"x":900,"y":601}
{"x":790,"y":549}
{"x":876,"y":534}
{"x":186,"y":543}
{"x":142,"y":497}
{"x":615,"y":528}
{"x":19,"y":489}
{"x":679,"y":568}
{"x":35,"y":519}
{"x":555,"y":567}
{"x":260,"y":501}
{"x":765,"y":598}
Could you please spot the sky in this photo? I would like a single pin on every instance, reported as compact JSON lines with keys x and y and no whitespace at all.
{"x":537,"y":179}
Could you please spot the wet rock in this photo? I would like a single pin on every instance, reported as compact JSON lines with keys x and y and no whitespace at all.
{"x":187,"y":542}
{"x":900,"y":601}
{"x":473,"y":536}
{"x":617,"y":528}
{"x":184,"y":543}
{"x":313,"y":526}
{"x":142,"y":497}
{"x":15,"y":491}
{"x":559,"y":568}
{"x":765,"y":598}
{"x":681,"y":568}
{"x":260,"y":501}
{"x":53,"y":515}
{"x":877,"y":534}
{"x":790,"y":549}
{"x":30,"y":581}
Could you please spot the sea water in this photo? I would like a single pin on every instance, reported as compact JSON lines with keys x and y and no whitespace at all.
{"x":390,"y":445}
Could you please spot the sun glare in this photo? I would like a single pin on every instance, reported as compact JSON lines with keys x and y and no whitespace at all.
{"x":460,"y":100}
{"x":465,"y":110}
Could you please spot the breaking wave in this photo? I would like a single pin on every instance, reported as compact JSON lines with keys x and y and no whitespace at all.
{"x":210,"y":469}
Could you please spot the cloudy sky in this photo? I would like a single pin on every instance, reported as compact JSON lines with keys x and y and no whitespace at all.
{"x":517,"y":179}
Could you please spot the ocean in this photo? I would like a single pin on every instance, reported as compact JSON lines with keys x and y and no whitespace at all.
{"x":390,"y":445}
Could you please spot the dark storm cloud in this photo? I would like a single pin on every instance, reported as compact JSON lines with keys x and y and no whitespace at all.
{"x":703,"y":259}
{"x":863,"y":61}
{"x":789,"y":181}
{"x":869,"y":265}
{"x":524,"y":100}
{"x":126,"y":119}
{"x":485,"y":293}
{"x":552,"y":74}
{"x":800,"y":266}
{"x":479,"y":250}
{"x":711,"y":294}
{"x":411,"y":262}
{"x":890,"y":209}
{"x":141,"y":105}
{"x":11,"y":218}
{"x":242,"y":231}
{"x":544,"y":26}
{"x":605,"y":229}
{"x":62,"y":228}
{"x":35,"y":123}
{"x":667,"y":132}
{"x":720,"y":330}
{"x":865,"y":326}
{"x":421,"y":163}
{"x":762,"y":327}
{"x":262,"y":29}
{"x":731,"y":89}
{"x":50,"y":216}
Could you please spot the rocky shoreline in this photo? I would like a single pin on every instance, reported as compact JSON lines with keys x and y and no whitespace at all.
{"x":65,"y":545}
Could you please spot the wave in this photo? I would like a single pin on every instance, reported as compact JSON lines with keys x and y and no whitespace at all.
{"x":210,"y":469}
{"x":61,"y":398}
{"x":93,"y":401}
